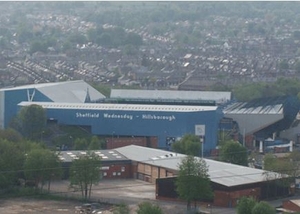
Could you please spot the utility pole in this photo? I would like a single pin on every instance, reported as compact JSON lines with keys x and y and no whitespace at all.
{"x":202,"y":138}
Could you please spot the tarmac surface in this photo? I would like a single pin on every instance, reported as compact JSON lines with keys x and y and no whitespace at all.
{"x":131,"y":192}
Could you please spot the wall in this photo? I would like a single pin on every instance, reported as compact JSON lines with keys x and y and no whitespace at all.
{"x":110,"y":171}
{"x":150,"y":173}
{"x":289,"y":205}
{"x":116,"y":142}
{"x":230,"y":199}
{"x":142,"y":123}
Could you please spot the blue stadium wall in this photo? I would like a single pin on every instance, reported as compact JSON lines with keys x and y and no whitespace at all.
{"x":139,"y":123}
{"x":13,"y":97}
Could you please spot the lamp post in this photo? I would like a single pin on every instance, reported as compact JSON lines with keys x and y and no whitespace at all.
{"x":202,"y":138}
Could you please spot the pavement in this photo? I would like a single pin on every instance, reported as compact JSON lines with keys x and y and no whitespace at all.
{"x":131,"y":192}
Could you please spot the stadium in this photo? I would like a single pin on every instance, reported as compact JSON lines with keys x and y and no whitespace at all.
{"x":155,"y":118}
{"x":158,"y":119}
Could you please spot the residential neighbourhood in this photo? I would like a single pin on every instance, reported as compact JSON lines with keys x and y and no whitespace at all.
{"x":159,"y":62}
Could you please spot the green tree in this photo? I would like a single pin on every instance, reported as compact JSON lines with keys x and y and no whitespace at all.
{"x":11,"y":135}
{"x":148,"y":208}
{"x":294,"y":158}
{"x":121,"y":209}
{"x":42,"y":165}
{"x":245,"y":205}
{"x":193,"y":183}
{"x":38,"y":46}
{"x":297,"y":66}
{"x":67,"y":45}
{"x":233,"y":152}
{"x":189,"y":145}
{"x":11,"y":159}
{"x":283,"y":64}
{"x":33,"y":121}
{"x":95,"y":143}
{"x":248,"y":92}
{"x":263,"y":208}
{"x":285,"y":171}
{"x":84,"y":172}
{"x":133,"y":39}
{"x":104,"y":39}
{"x":77,"y":38}
{"x":80,"y":144}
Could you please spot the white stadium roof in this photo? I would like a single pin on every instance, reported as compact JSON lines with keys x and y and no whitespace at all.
{"x":222,"y":173}
{"x":69,"y":91}
{"x":218,"y":96}
{"x":121,"y":107}
{"x":257,"y":114}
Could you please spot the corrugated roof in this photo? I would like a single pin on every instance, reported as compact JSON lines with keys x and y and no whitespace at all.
{"x":145,"y":154}
{"x":120,"y":107}
{"x":218,"y":96}
{"x":257,"y":114}
{"x":257,"y":106}
{"x":69,"y":91}
{"x":105,"y":155}
{"x":222,"y":173}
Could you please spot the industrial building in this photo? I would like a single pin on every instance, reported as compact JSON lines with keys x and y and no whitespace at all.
{"x":229,"y":182}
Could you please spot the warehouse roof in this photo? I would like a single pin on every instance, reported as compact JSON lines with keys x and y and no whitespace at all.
{"x":220,"y":172}
{"x":69,"y":91}
{"x":219,"y":96}
{"x":105,"y":155}
{"x":121,"y":107}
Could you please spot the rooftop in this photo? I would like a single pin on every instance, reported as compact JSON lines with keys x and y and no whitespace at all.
{"x":226,"y":174}
{"x":218,"y":96}
{"x":120,"y":107}
{"x":69,"y":91}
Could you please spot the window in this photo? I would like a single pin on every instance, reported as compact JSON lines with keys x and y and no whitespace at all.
{"x":104,"y":174}
{"x":123,"y":169}
{"x":114,"y":173}
{"x":119,"y":173}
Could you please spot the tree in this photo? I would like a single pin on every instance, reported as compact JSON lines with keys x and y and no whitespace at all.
{"x":285,"y":172}
{"x":38,"y":46}
{"x":80,"y":144}
{"x":193,"y":182}
{"x":283,"y":64}
{"x":42,"y":165}
{"x":84,"y":172}
{"x":11,"y":135}
{"x":245,"y":205}
{"x":134,"y":39}
{"x":148,"y":208}
{"x":234,"y":152}
{"x":189,"y":145}
{"x":297,"y":66}
{"x":95,"y":143}
{"x":33,"y":121}
{"x":121,"y":209}
{"x":263,"y":208}
{"x":11,"y":159}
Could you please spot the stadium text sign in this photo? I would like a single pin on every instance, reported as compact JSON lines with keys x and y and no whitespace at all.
{"x":126,"y":116}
